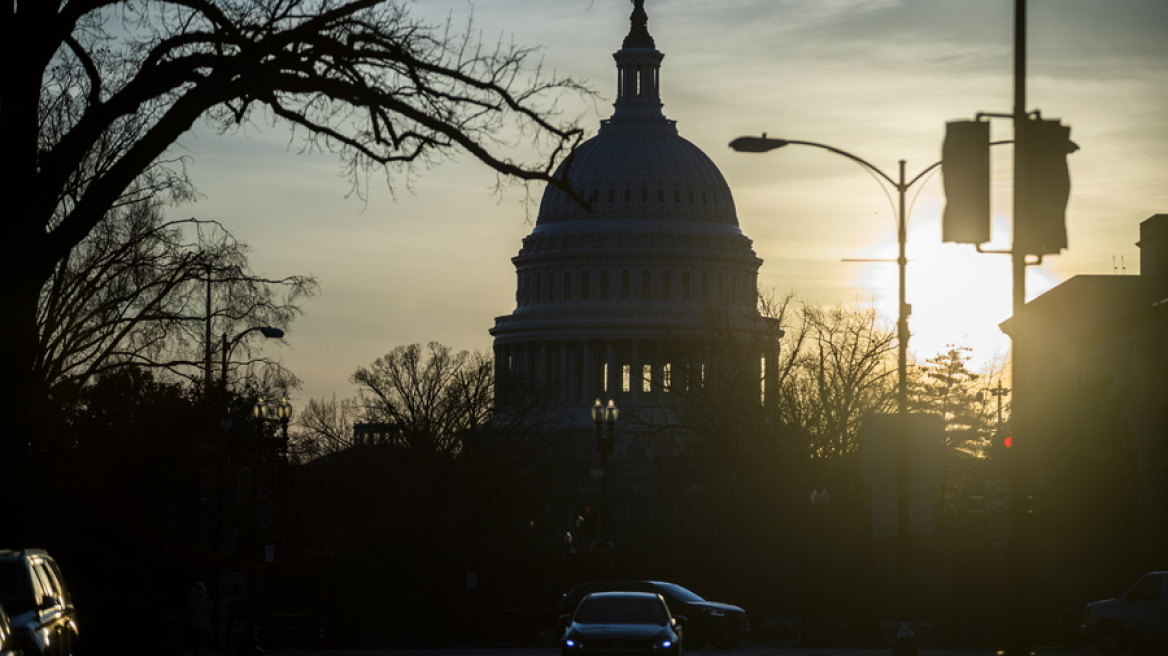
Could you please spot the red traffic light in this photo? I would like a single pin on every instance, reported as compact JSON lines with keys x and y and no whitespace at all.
{"x":1008,"y":441}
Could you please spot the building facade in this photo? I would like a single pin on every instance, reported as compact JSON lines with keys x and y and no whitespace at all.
{"x":614,"y":299}
{"x":1092,"y":369}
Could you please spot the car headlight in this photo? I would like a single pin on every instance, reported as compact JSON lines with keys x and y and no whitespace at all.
{"x":666,"y":644}
{"x":572,"y":644}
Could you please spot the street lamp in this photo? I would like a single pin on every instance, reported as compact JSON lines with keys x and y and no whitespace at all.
{"x":228,"y":345}
{"x":765,"y":144}
{"x":904,"y":643}
{"x":601,"y":415}
{"x":284,"y":415}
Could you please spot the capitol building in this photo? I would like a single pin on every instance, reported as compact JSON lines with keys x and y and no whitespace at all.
{"x":635,"y":299}
{"x":614,"y":301}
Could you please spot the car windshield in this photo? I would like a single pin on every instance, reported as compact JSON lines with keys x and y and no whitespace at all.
{"x":678,"y":592}
{"x":621,"y":609}
{"x":15,"y":588}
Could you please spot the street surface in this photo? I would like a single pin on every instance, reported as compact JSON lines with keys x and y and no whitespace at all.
{"x":743,"y":649}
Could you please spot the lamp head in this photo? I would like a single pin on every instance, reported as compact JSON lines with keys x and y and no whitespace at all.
{"x":757,"y":144}
{"x":273,"y":333}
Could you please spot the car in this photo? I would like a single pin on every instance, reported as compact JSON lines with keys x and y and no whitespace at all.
{"x":708,"y":622}
{"x":622,"y":623}
{"x":7,"y":646}
{"x":39,"y":605}
{"x":1133,"y":621}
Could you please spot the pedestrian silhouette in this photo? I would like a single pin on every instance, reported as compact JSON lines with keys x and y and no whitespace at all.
{"x":199,"y":606}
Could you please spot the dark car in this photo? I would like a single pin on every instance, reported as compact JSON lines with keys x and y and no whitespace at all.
{"x":39,"y":606}
{"x":622,"y":623}
{"x":721,"y":625}
{"x":1136,"y":621}
{"x":7,"y":646}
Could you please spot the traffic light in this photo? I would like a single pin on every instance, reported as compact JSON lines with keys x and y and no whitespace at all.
{"x":1000,"y":444}
{"x":965,"y":171}
{"x":1043,"y":186}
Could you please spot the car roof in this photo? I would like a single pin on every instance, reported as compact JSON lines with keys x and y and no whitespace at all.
{"x":604,"y":594}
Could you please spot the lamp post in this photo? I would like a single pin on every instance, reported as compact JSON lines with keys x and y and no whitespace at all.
{"x":904,"y":642}
{"x":284,"y":415}
{"x":228,"y":345}
{"x":225,"y":421}
{"x":602,"y":415}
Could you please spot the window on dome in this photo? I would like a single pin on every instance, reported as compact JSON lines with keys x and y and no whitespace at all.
{"x":666,"y":376}
{"x":626,"y":378}
{"x":646,"y":285}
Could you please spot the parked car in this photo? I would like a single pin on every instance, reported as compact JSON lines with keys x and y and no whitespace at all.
{"x":708,"y":622}
{"x":39,"y":606}
{"x":7,"y":646}
{"x":1133,"y":621}
{"x":622,"y":623}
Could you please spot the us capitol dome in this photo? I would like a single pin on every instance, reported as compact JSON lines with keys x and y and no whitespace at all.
{"x":614,"y":300}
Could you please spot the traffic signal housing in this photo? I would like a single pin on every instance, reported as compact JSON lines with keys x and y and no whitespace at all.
{"x":965,"y":171}
{"x":1042,"y":185}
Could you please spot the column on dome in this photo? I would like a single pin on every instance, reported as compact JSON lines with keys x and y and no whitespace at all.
{"x":587,"y":370}
{"x":612,"y":383}
{"x":563,"y":383}
{"x":771,"y":382}
{"x":541,"y":365}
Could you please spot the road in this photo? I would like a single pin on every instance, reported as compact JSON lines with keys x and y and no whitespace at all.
{"x":743,"y":649}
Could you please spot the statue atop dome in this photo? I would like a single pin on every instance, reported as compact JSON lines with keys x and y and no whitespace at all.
{"x":639,"y":30}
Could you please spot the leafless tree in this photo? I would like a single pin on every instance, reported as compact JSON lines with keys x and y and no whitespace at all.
{"x":841,"y":367}
{"x":96,"y":93}
{"x":324,"y":426}
{"x":136,"y":291}
{"x":430,"y":398}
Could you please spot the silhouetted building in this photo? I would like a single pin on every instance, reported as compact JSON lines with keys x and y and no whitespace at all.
{"x":619,"y":300}
{"x":1093,"y":372}
{"x":600,"y":289}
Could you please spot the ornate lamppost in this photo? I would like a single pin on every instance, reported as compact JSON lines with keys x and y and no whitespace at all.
{"x":604,"y":415}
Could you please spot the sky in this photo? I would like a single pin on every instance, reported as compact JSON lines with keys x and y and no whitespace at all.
{"x":876,"y":78}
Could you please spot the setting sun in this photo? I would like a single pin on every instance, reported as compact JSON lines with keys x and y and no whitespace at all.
{"x":957,"y":295}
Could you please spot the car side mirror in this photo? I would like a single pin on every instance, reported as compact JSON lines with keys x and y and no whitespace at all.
{"x":47,"y":601}
{"x":680,"y":619}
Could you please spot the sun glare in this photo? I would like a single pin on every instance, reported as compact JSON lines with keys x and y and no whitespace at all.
{"x":957,"y":296}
